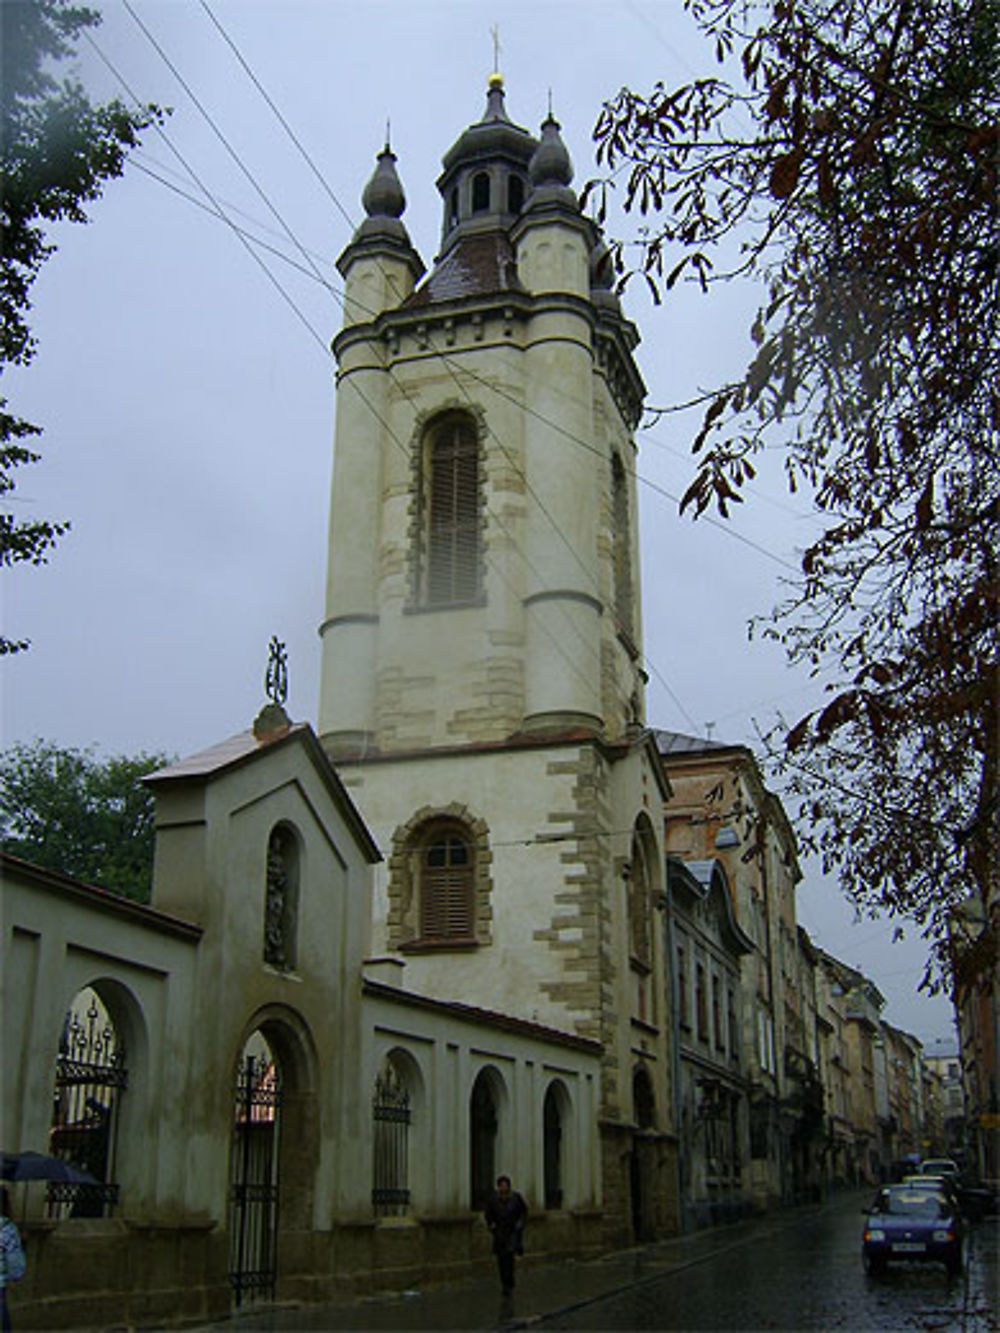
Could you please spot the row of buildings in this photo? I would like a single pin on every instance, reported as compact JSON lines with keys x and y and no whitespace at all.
{"x":484,"y":917}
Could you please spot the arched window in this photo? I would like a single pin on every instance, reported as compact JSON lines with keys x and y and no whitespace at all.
{"x":483,"y":1126}
{"x":552,"y":1117}
{"x":281,"y":899}
{"x":91,"y":1079}
{"x":638,"y":903}
{"x":446,"y":884}
{"x":440,"y":886}
{"x":451,"y":509}
{"x":621,"y":539}
{"x":480,"y":192}
{"x":515,"y":194}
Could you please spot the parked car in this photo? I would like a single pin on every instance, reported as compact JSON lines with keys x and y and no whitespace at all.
{"x":939,"y":1166}
{"x":975,"y":1199}
{"x":947,"y":1185}
{"x":912,"y":1224}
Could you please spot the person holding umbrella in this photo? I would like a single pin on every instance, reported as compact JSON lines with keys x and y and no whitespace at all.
{"x":12,"y":1261}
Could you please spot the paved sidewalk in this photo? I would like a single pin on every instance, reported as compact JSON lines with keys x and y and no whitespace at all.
{"x":543,"y":1289}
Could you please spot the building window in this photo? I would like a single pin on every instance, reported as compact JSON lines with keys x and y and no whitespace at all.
{"x":446,"y":884}
{"x":484,"y":1124}
{"x":638,"y":904}
{"x":717,"y":1032}
{"x":480,"y":192}
{"x":734,"y":1029}
{"x":440,"y":885}
{"x":621,"y":540}
{"x":553,"y":1154}
{"x":701,"y":1003}
{"x":515,"y":194}
{"x":683,"y":1013}
{"x":281,"y":899}
{"x":450,"y":503}
{"x":643,"y":1099}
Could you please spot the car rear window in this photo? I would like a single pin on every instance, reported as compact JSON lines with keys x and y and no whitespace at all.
{"x":913,"y":1201}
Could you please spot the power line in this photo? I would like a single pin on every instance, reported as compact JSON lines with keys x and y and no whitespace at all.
{"x":216,"y":206}
{"x":587,"y":645}
{"x":444,"y":358}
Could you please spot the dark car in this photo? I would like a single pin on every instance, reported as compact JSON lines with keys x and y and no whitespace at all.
{"x":910,"y":1224}
{"x":976,"y":1201}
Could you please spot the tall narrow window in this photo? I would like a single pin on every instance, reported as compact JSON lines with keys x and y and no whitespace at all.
{"x":621,"y":540}
{"x":446,"y":885}
{"x":480,"y":193}
{"x":281,"y":899}
{"x":717,"y":1033}
{"x":452,"y":512}
{"x":701,"y":1003}
{"x":552,"y":1119}
{"x":638,"y":904}
{"x":483,"y":1126}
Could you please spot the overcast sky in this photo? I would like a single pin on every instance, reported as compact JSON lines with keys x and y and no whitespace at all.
{"x":185,"y":384}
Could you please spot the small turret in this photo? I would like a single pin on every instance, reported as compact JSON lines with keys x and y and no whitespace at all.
{"x":380,"y":265}
{"x":485,"y":179}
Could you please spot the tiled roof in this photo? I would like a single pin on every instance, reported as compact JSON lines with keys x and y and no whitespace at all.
{"x":216,"y":757}
{"x":476,"y":265}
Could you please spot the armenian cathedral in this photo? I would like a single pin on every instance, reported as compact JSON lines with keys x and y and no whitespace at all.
{"x":392,"y":956}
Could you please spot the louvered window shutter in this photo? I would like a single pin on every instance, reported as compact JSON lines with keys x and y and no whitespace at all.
{"x":453,"y":526}
{"x":446,"y":889}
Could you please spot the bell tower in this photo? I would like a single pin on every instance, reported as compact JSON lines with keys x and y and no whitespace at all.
{"x":483,"y":578}
{"x":482,"y":685}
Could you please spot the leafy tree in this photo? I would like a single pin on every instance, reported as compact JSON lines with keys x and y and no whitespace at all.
{"x":88,"y":817}
{"x":56,"y":152}
{"x":848,"y":157}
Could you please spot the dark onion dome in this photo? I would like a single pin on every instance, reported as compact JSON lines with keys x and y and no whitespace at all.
{"x":551,"y":164}
{"x":383,"y":195}
{"x":382,"y":232}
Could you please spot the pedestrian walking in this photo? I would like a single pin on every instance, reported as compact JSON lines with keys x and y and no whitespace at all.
{"x":506,"y":1214}
{"x":12,"y":1261}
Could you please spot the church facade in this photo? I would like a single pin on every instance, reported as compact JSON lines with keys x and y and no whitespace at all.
{"x":390,"y":958}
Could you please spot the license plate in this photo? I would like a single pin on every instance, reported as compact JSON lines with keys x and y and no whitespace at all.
{"x":909,"y":1247}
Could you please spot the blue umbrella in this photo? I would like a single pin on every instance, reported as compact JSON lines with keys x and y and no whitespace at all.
{"x":17,"y":1166}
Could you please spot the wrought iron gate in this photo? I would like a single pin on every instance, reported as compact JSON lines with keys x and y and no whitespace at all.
{"x":253,"y":1175}
{"x":391,"y":1115}
{"x":90,"y":1079}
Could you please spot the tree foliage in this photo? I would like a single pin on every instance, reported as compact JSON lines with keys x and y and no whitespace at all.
{"x":57,"y":151}
{"x":850,"y":150}
{"x":88,"y":817}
